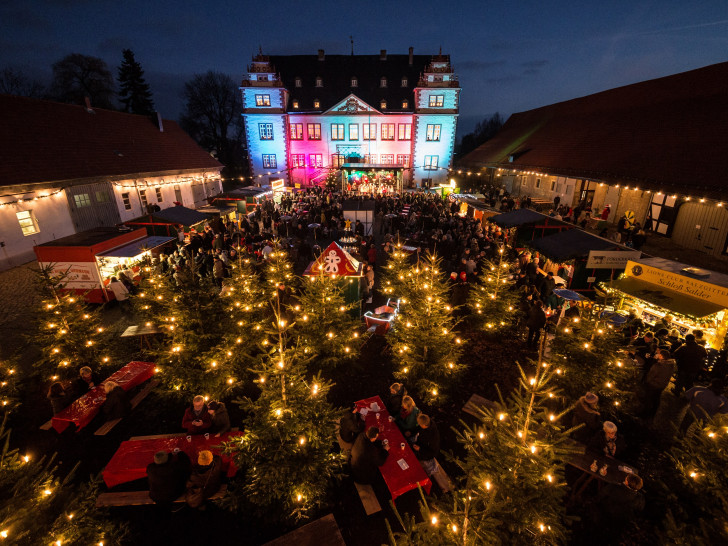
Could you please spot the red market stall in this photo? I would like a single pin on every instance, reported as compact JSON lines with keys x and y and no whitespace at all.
{"x":336,"y":261}
{"x":90,"y":258}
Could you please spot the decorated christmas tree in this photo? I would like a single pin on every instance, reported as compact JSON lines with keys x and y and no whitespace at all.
{"x":493,"y":301}
{"x":286,"y":457}
{"x":9,"y":385}
{"x":513,"y":487}
{"x":69,"y":334}
{"x":394,"y":277}
{"x":425,"y":347}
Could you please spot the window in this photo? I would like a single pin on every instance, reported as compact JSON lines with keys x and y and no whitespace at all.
{"x":295,"y":103}
{"x":382,"y":104}
{"x":353,"y":131}
{"x":337,"y":160}
{"x":269,"y":161}
{"x":387,"y":159}
{"x":298,"y":160}
{"x":431,"y":162}
{"x":296,"y":131}
{"x":298,"y":82}
{"x":177,"y":194}
{"x":143,"y":197}
{"x":405,"y":131}
{"x":553,"y":185}
{"x":126,"y":200}
{"x":102,"y":197}
{"x":262,"y":100}
{"x":538,"y":182}
{"x":405,"y":103}
{"x":27,"y":222}
{"x":319,"y":81}
{"x":314,"y":131}
{"x":82,"y":200}
{"x":433,"y":132}
{"x":263,"y":78}
{"x":354,"y":82}
{"x":370,"y":158}
{"x":437,"y":100}
{"x":316,"y":103}
{"x":524,"y":181}
{"x":403,"y":159}
{"x":315,"y":160}
{"x":383,"y":82}
{"x":370,"y":131}
{"x":337,"y":131}
{"x":159,"y":194}
{"x":266,"y":131}
{"x":387,"y":131}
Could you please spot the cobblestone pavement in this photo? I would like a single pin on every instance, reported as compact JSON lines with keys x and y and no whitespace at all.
{"x":19,"y":299}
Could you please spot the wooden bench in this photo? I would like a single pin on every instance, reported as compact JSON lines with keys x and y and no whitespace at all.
{"x":139,"y":498}
{"x":322,"y":532}
{"x":141,"y":395}
{"x":441,"y":478}
{"x":476,"y":403}
{"x":368,"y":499}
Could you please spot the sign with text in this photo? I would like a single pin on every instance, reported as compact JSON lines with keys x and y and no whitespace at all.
{"x":611,"y":259}
{"x":679,"y":283}
{"x":79,"y":275}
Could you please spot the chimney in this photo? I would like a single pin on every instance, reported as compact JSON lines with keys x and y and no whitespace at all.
{"x":411,"y":56}
{"x":383,"y":55}
{"x":160,"y":123}
{"x":321,"y":55}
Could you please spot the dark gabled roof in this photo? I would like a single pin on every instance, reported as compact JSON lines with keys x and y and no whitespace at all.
{"x":337,"y":71}
{"x":180,"y":215}
{"x":667,"y":134}
{"x":573,"y":243}
{"x":43,"y":141}
{"x":519,"y":217}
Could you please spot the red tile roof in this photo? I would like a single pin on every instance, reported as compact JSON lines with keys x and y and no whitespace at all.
{"x":668,"y":134}
{"x":43,"y":141}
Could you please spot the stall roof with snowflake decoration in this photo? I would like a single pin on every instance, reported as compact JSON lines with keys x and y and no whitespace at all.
{"x":334,"y":260}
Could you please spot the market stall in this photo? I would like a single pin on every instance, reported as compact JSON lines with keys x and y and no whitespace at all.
{"x":363,"y":211}
{"x":474,"y":207}
{"x":171,"y":221}
{"x":246,"y":199}
{"x":529,"y":225}
{"x":90,"y":258}
{"x":334,"y":260}
{"x":694,"y":298}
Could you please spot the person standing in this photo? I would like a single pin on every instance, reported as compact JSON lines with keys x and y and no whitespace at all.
{"x":121,"y":294}
{"x":656,"y":381}
{"x":427,"y":444}
{"x":690,"y":358}
{"x":586,"y":413}
{"x":535,"y":323}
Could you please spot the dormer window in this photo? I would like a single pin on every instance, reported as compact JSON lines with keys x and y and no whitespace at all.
{"x":319,"y":81}
{"x":262,"y":78}
{"x":383,"y":82}
{"x":404,"y":82}
{"x":354,"y":82}
{"x":405,"y":103}
{"x":295,"y":103}
{"x":382,"y":104}
{"x":316,"y":103}
{"x":299,"y":83}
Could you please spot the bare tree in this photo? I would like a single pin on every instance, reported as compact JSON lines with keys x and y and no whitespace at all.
{"x":14,"y":82}
{"x":77,"y":76}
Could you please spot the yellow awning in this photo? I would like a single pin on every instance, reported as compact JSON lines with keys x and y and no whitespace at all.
{"x":666,"y":298}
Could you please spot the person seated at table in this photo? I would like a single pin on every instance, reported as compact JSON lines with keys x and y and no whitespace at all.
{"x":586,"y":413}
{"x":205,"y":479}
{"x":427,"y":445}
{"x":167,"y":476}
{"x":197,"y":417}
{"x":607,"y":441}
{"x":350,"y":426}
{"x":86,"y":381}
{"x":367,"y":455}
{"x":616,"y":506}
{"x":393,"y":402}
{"x":220,"y":418}
{"x":406,"y":419}
{"x":58,"y":397}
{"x":117,"y":404}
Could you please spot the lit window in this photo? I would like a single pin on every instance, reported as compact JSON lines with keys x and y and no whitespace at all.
{"x":159,"y":194}
{"x":296,"y":131}
{"x":316,"y":103}
{"x":431,"y":162}
{"x":337,"y":131}
{"x":337,"y":160}
{"x":404,"y":82}
{"x":319,"y":81}
{"x":370,"y":158}
{"x":405,"y":131}
{"x":405,"y":103}
{"x":143,"y":196}
{"x":354,"y":82}
{"x":315,"y":160}
{"x":298,"y":160}
{"x":298,"y":82}
{"x":386,"y":159}
{"x":295,"y":103}
{"x":266,"y":131}
{"x":102,"y":197}
{"x":383,"y":104}
{"x":387,"y":131}
{"x":433,"y":132}
{"x":403,"y":159}
{"x":127,"y":201}
{"x":269,"y":161}
{"x":353,"y":131}
{"x":383,"y":82}
{"x":370,"y":131}
{"x":82,"y":200}
{"x":177,"y":194}
{"x":262,"y":100}
{"x":314,"y":131}
{"x":27,"y":222}
{"x":437,"y":101}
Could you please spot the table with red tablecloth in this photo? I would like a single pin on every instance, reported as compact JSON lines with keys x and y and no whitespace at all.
{"x":82,"y":411}
{"x":398,"y":480}
{"x":130,"y":461}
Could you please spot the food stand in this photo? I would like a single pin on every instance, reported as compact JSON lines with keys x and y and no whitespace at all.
{"x":694,"y":298}
{"x":90,"y":258}
{"x":246,"y":199}
{"x":529,"y":225}
{"x":334,"y":260}
{"x":167,"y":222}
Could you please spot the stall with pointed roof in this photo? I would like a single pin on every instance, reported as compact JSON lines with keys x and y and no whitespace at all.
{"x":334,"y":260}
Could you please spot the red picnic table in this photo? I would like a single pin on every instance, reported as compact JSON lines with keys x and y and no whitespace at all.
{"x":82,"y":411}
{"x":130,"y":461}
{"x":401,"y":471}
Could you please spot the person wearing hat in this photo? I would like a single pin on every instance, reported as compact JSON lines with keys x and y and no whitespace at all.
{"x":616,"y":506}
{"x":167,"y":476}
{"x":205,"y":479}
{"x":607,"y":441}
{"x":586,"y":414}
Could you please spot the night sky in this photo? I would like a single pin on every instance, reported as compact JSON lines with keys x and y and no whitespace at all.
{"x":510,"y":56}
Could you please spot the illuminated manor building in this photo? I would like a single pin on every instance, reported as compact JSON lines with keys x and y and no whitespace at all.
{"x":378,"y":122}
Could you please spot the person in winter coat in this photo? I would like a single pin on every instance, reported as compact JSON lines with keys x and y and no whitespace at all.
{"x":367,"y":455}
{"x":220,"y":418}
{"x":58,"y":397}
{"x":197,"y":418}
{"x":586,"y":413}
{"x":393,"y":402}
{"x":690,"y":358}
{"x":167,"y":476}
{"x":535,"y":322}
{"x":427,"y":444}
{"x":607,"y":441}
{"x":705,"y":403}
{"x":86,"y":381}
{"x":205,"y":479}
{"x":117,"y":404}
{"x":406,"y":420}
{"x":350,"y":426}
{"x":616,"y":506}
{"x":218,"y":271}
{"x":657,"y":379}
